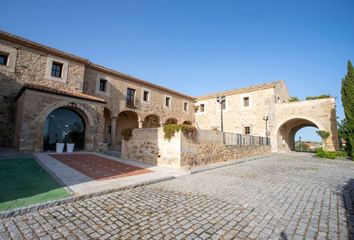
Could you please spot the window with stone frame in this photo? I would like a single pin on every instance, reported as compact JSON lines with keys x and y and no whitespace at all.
{"x":185,"y":106}
{"x":146,"y":96}
{"x":57,"y":69}
{"x":103,"y":85}
{"x":202,"y":107}
{"x":4,"y":58}
{"x":168,"y":102}
{"x":130,"y":97}
{"x":247,"y":130}
{"x":246,"y":101}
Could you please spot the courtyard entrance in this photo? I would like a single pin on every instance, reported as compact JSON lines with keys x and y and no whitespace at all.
{"x":62,"y":125}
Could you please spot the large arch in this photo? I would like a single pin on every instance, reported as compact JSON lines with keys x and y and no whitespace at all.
{"x":188,"y":123}
{"x":64,"y":125}
{"x":84,"y":110}
{"x":151,"y":121}
{"x":286,"y":132}
{"x":171,"y":121}
{"x":126,"y":119}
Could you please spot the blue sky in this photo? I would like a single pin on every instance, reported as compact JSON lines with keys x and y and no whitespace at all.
{"x":198,"y":47}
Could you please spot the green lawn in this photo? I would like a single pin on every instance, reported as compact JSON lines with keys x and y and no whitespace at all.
{"x":24,"y":182}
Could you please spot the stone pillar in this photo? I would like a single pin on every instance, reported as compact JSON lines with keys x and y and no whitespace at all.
{"x":141,"y":124}
{"x":113,"y":130}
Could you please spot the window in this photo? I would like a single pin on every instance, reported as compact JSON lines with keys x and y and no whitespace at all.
{"x":57,"y":69}
{"x":130,"y":97}
{"x":167,"y":101}
{"x":247,"y":130}
{"x":201,"y":108}
{"x":146,"y":96}
{"x":3,"y":58}
{"x":246,"y":101}
{"x":185,"y":106}
{"x":103,"y":85}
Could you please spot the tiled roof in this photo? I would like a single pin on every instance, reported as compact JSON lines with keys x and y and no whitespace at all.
{"x":61,"y":91}
{"x":241,"y":90}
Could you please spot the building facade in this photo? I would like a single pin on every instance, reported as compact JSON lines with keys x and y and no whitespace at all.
{"x":49,"y":96}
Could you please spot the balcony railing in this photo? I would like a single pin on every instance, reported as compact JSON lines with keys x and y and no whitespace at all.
{"x":132,"y":103}
{"x":244,"y":140}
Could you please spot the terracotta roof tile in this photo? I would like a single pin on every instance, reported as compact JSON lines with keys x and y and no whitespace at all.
{"x":61,"y":91}
{"x":240,"y":90}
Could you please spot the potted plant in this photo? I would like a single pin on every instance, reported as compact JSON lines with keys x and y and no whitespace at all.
{"x":59,"y":146}
{"x":70,"y":144}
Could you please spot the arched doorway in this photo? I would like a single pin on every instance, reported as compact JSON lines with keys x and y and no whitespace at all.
{"x":62,"y":124}
{"x":171,"y":121}
{"x":187,"y":123}
{"x":126,"y":119}
{"x":287,"y":131}
{"x":151,"y":121}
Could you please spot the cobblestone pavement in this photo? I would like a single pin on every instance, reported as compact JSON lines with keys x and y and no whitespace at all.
{"x":291,"y":196}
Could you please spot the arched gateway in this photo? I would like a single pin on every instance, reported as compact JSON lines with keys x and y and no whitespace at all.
{"x":291,"y":117}
{"x":63,"y":125}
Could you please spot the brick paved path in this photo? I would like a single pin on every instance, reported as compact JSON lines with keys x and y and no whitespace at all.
{"x":283,"y":197}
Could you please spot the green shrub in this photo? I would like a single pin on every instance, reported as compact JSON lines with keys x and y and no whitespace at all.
{"x":127,"y":133}
{"x":325,"y":154}
{"x":342,"y":154}
{"x":171,"y":129}
{"x":294,"y":99}
{"x":318,"y":97}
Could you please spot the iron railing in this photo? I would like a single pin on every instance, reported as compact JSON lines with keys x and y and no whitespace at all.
{"x":244,"y":140}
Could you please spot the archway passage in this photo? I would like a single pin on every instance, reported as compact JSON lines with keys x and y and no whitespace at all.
{"x":307,"y":140}
{"x":151,"y":121}
{"x":61,"y":125}
{"x":287,"y":131}
{"x":126,"y":119}
{"x":171,"y":121}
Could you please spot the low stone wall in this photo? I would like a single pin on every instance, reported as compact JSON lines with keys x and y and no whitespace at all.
{"x":202,"y":154}
{"x":149,"y":145}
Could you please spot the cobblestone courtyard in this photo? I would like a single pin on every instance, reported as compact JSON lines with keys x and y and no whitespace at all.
{"x":291,"y":196}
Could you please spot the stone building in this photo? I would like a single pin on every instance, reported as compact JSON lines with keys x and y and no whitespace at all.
{"x":50,"y":96}
{"x":47,"y":93}
{"x":265,"y":110}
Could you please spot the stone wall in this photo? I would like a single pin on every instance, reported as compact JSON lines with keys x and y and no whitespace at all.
{"x":150,"y":146}
{"x":29,"y":67}
{"x":236,"y":116}
{"x":194,"y":153}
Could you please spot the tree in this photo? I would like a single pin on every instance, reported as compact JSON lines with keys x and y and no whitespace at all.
{"x":294,"y":99}
{"x":324,"y":135}
{"x":348,"y":105}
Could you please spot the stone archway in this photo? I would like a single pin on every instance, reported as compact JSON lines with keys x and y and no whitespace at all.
{"x":286,"y":133}
{"x":171,"y":121}
{"x":64,"y":125}
{"x":188,"y":123}
{"x":84,"y":110}
{"x":151,"y":121}
{"x":126,"y":119}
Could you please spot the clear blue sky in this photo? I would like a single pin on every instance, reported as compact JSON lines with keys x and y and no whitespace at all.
{"x":198,"y":47}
